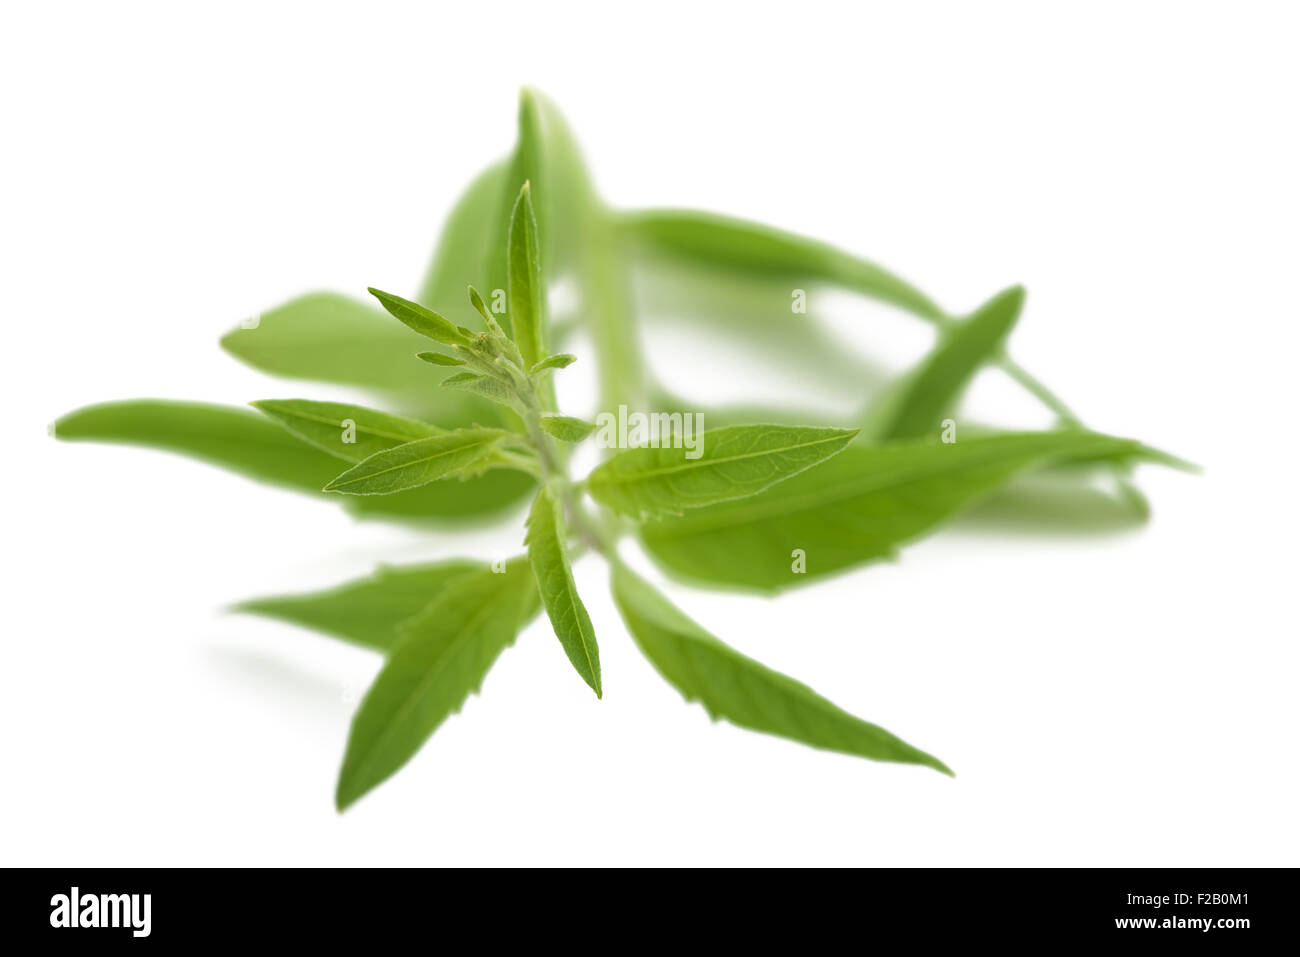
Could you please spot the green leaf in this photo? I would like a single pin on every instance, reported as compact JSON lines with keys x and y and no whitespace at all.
{"x":236,"y":438}
{"x":609,"y":310}
{"x":561,"y":361}
{"x":485,"y":386}
{"x":737,"y":688}
{"x":525,"y":293}
{"x":465,"y":249}
{"x":754,"y":249}
{"x":735,"y":279}
{"x":576,"y":240}
{"x":725,"y":464}
{"x":481,"y":308}
{"x":249,"y":444}
{"x":550,"y":560}
{"x":934,"y":388}
{"x":1055,"y":501}
{"x":439,"y":359}
{"x":861,"y":506}
{"x":330,"y":338}
{"x":421,"y":319}
{"x":712,"y":267}
{"x":548,"y":158}
{"x":469,"y":500}
{"x":441,"y":657}
{"x":368,"y":610}
{"x":349,"y":432}
{"x":700,"y":270}
{"x":418,"y":463}
{"x":567,"y":428}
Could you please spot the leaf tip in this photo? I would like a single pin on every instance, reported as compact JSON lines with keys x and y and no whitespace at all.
{"x":343,"y":796}
{"x":1008,"y":303}
{"x":1183,"y":465}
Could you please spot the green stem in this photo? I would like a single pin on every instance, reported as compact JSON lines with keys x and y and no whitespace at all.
{"x":554,"y":472}
{"x":1123,"y":473}
{"x":515,"y":460}
{"x":1039,"y":391}
{"x":613,"y":314}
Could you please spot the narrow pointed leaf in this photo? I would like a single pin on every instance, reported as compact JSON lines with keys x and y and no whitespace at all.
{"x":439,"y":359}
{"x":368,"y":610}
{"x":249,"y":444}
{"x":548,"y":158}
{"x":441,"y":657}
{"x":235,"y":438}
{"x":525,"y":294}
{"x":567,"y":428}
{"x":418,"y":463}
{"x":561,"y":361}
{"x":485,"y":386}
{"x":577,"y":240}
{"x":963,"y":348}
{"x":421,"y":319}
{"x":741,"y":690}
{"x":350,"y":432}
{"x":727,"y":463}
{"x":755,"y":249}
{"x":476,"y":497}
{"x":482,"y":309}
{"x":861,"y":506}
{"x":548,"y":554}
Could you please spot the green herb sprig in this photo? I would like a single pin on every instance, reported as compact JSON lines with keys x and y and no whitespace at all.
{"x":730,"y":512}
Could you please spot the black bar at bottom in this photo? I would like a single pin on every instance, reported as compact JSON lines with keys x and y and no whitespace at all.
{"x":1237,"y":909}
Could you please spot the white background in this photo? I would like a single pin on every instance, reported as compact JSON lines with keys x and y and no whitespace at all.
{"x":1109,"y":700}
